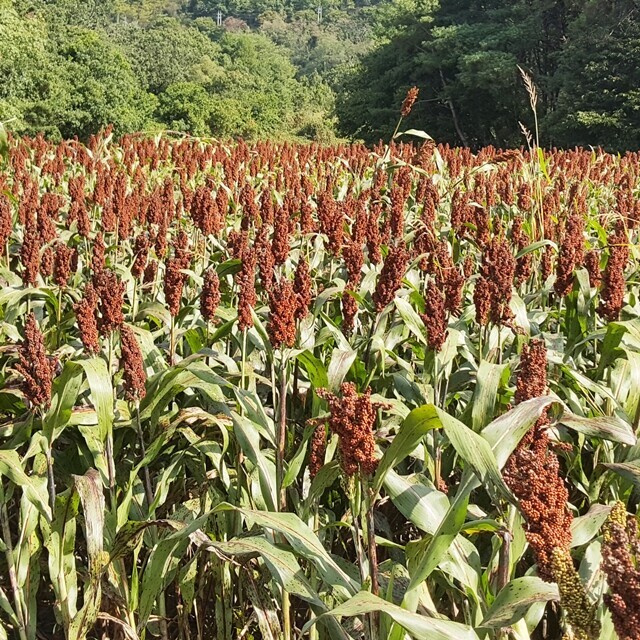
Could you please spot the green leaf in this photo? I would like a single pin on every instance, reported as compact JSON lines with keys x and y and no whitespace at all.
{"x":341,"y":361}
{"x":11,"y":467}
{"x":101,"y":393}
{"x":303,"y":541}
{"x":442,"y":539}
{"x":485,"y":393}
{"x":585,"y":528}
{"x":65,"y":393}
{"x":605,"y":427}
{"x":513,"y":602}
{"x":413,"y":429}
{"x":315,"y":369}
{"x":505,"y":432}
{"x":628,"y":470}
{"x":419,"y":627}
{"x":411,"y":319}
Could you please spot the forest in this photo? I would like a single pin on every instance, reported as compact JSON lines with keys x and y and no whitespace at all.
{"x":323,"y":71}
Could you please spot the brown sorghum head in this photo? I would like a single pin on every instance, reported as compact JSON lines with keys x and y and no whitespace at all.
{"x":302,"y":286}
{"x":174,"y":277}
{"x":282,"y":315}
{"x":613,"y":280}
{"x":98,"y":254}
{"x":210,"y":295}
{"x":391,"y":276}
{"x":533,"y":474}
{"x":353,"y":417}
{"x":435,"y":317}
{"x":34,"y":366}
{"x":409,"y":101}
{"x":132,"y":364}
{"x":592,"y":265}
{"x":110,"y":292}
{"x":532,"y":377}
{"x":62,"y":264}
{"x":318,"y":449}
{"x":141,"y":253}
{"x":621,"y":565}
{"x":47,"y":261}
{"x":150,"y":273}
{"x":86,"y":310}
{"x":247,"y":298}
{"x":571,"y":254}
{"x":30,"y":253}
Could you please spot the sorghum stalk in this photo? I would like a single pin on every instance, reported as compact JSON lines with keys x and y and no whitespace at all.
{"x":18,"y":600}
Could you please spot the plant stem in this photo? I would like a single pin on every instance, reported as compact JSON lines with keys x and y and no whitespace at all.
{"x":369,"y":499}
{"x":172,"y":341}
{"x":282,"y":437}
{"x":13,"y":581}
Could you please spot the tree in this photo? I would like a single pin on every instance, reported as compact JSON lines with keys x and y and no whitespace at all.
{"x":598,"y":78}
{"x":103,"y":88}
{"x":186,"y":106}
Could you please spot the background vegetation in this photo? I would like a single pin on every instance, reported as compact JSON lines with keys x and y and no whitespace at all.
{"x":273,"y":69}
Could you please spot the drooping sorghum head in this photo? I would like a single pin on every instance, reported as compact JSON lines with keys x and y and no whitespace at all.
{"x":353,"y":417}
{"x":283,"y":305}
{"x":86,"y":310}
{"x":613,"y":280}
{"x":435,"y":316}
{"x":210,"y":295}
{"x":110,"y":291}
{"x":34,"y":366}
{"x":132,"y":364}
{"x":391,"y":276}
{"x":409,"y":101}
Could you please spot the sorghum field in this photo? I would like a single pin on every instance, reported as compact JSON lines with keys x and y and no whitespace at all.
{"x":286,"y":391}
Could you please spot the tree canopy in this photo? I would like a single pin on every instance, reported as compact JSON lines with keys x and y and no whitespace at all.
{"x":275,"y":68}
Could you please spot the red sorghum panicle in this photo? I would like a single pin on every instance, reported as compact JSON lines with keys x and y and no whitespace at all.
{"x":47,"y":261}
{"x":174,"y":277}
{"x":62,"y":264}
{"x":98,"y":255}
{"x":621,"y":565}
{"x":150,"y":273}
{"x":613,"y":281}
{"x":521,"y":240}
{"x":571,"y":254}
{"x":409,"y":101}
{"x":532,"y":378}
{"x":495,"y":282}
{"x":533,"y":471}
{"x":210,"y":295}
{"x":533,"y":474}
{"x":134,"y":376}
{"x":30,"y":253}
{"x":482,"y":300}
{"x":110,"y":292}
{"x":435,"y":316}
{"x":266,"y":259}
{"x":34,"y":366}
{"x":141,"y":253}
{"x":6,"y":221}
{"x":592,"y":265}
{"x":282,"y":315}
{"x":318,"y":449}
{"x":85,"y":311}
{"x":390,"y":280}
{"x":302,"y":286}
{"x":353,"y":417}
{"x":247,"y":298}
